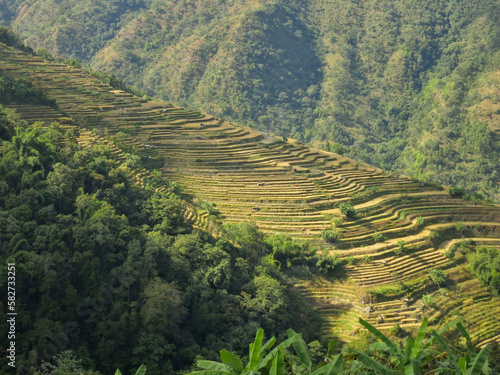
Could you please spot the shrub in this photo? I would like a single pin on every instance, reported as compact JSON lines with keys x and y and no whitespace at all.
{"x":395,"y":329}
{"x":395,"y":275}
{"x":420,"y":221}
{"x":438,"y":276}
{"x":326,"y":263}
{"x":460,"y":227}
{"x":377,"y":236}
{"x":428,"y":300}
{"x":330,"y":235}
{"x":401,"y":247}
{"x":338,"y":222}
{"x":210,"y":208}
{"x":348,"y":210}
{"x":174,"y":187}
{"x":456,"y":192}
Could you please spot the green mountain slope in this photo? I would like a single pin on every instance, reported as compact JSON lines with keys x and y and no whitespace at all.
{"x":394,"y":234}
{"x":409,"y":86}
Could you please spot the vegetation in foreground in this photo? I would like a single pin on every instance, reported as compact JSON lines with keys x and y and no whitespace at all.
{"x":427,"y":353}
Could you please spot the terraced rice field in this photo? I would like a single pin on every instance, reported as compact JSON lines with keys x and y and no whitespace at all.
{"x":286,"y":187}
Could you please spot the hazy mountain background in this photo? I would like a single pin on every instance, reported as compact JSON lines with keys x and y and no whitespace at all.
{"x":408,"y":85}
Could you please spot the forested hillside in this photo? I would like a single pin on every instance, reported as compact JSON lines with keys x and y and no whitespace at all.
{"x":411,"y":86}
{"x":143,"y":232}
{"x":115,"y":272}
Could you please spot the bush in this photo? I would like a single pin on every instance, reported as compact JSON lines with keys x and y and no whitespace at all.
{"x":456,"y":192}
{"x":377,"y":236}
{"x":330,"y":235}
{"x":420,"y":221}
{"x":348,"y":210}
{"x":338,"y":222}
{"x":438,"y":276}
{"x":395,"y":329}
{"x":401,"y":247}
{"x":210,"y":208}
{"x":428,"y":300}
{"x":460,"y":227}
{"x":326,"y":263}
{"x":366,"y":259}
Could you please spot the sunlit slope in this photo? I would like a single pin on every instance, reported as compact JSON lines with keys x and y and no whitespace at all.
{"x":286,"y":187}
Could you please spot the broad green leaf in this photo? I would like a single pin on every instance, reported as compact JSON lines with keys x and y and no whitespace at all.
{"x":232,"y":359}
{"x":268,"y":345}
{"x":393,"y":349}
{"x":412,"y":368}
{"x":118,"y":372}
{"x":410,"y":345}
{"x":278,"y":365}
{"x":444,"y":345}
{"x":210,"y":372}
{"x":283,"y":345}
{"x":332,"y":368}
{"x":372,"y":364}
{"x":478,"y":361}
{"x":331,"y":347}
{"x":254,"y":356}
{"x":141,"y":370}
{"x":465,"y":334}
{"x":419,"y":339}
{"x":380,"y":346}
{"x":211,"y":365}
{"x":301,"y":349}
{"x":441,"y":331}
{"x":462,"y":364}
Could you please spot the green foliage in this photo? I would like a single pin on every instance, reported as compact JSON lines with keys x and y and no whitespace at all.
{"x":420,"y":221}
{"x":140,"y":371}
{"x":210,"y":208}
{"x":428,"y":301}
{"x":456,"y":192}
{"x":327,"y":263}
{"x":64,"y":363}
{"x":348,"y":210}
{"x":438,"y":276}
{"x":338,"y":222}
{"x":460,"y":227}
{"x":294,"y":255}
{"x":20,"y":90}
{"x":485,"y":265}
{"x":277,"y":361}
{"x":330,"y":235}
{"x":401,"y":247}
{"x":378,"y":237}
{"x":120,"y":265}
{"x":418,"y":355}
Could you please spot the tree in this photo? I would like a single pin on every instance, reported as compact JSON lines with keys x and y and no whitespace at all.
{"x":330,"y":235}
{"x":348,"y":210}
{"x":438,"y":276}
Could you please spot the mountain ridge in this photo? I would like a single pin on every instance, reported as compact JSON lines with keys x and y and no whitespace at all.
{"x":410,"y":87}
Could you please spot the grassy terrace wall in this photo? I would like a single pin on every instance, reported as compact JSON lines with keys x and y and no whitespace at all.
{"x":402,"y":227}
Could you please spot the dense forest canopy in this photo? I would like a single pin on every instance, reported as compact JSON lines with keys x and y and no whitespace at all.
{"x":113,"y":272}
{"x":411,"y":86}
